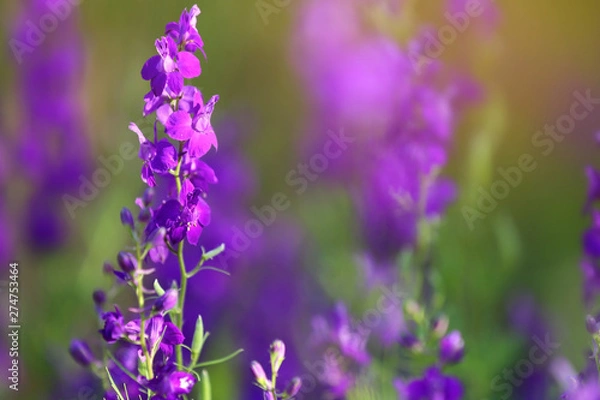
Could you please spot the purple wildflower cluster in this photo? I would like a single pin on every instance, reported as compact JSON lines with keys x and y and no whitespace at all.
{"x":150,"y":334}
{"x":403,"y":115}
{"x":52,"y":131}
{"x":585,"y":385}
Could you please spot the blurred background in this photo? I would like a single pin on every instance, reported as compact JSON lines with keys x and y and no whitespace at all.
{"x":66,"y":104}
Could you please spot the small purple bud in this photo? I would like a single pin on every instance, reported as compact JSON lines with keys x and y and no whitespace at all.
{"x":81,"y":353}
{"x":144,"y":215}
{"x":591,"y":324}
{"x":261,"y":377}
{"x":167,"y":301}
{"x":277,"y":355}
{"x":293,"y":388}
{"x":99,"y":297}
{"x":452,"y":348}
{"x":107,"y":268}
{"x":127,"y":261}
{"x":148,"y":196}
{"x":127,"y":217}
{"x":410,"y":341}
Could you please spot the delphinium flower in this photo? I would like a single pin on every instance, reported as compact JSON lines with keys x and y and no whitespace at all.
{"x":584,"y":386}
{"x":402,"y":114}
{"x":52,"y":132}
{"x":342,"y":348}
{"x":152,"y":329}
{"x":269,"y":385}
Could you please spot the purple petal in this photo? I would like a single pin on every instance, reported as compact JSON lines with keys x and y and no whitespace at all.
{"x":158,"y":83}
{"x":166,"y":157}
{"x":175,"y":83}
{"x":188,"y":65}
{"x":179,"y":126}
{"x":163,"y":113}
{"x":151,"y":68}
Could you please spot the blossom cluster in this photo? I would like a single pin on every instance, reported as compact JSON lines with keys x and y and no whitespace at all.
{"x":153,"y":329}
{"x":269,"y":385}
{"x":404,"y":114}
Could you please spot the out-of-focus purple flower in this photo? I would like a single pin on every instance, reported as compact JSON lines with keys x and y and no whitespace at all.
{"x":395,"y":197}
{"x":99,"y":297}
{"x":593,"y":195}
{"x":127,"y":262}
{"x":52,"y":128}
{"x":591,"y":237}
{"x":344,"y":348}
{"x":127,"y":217}
{"x":432,"y":386}
{"x":452,"y":348}
{"x":81,"y":353}
{"x":484,"y":14}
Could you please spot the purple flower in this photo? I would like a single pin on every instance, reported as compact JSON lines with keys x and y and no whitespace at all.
{"x":127,"y":217}
{"x":169,"y":67}
{"x":81,"y":353}
{"x":127,"y":262}
{"x":452,"y":347}
{"x":593,"y":195}
{"x":591,"y":237}
{"x":170,"y":384}
{"x":432,"y":386}
{"x":185,"y":33}
{"x":182,"y":220}
{"x":114,"y":328}
{"x":167,"y":301}
{"x":159,"y":156}
{"x":194,"y":126}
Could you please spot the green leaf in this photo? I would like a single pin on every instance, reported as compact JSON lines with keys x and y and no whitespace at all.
{"x":220,"y":360}
{"x":206,"y":390}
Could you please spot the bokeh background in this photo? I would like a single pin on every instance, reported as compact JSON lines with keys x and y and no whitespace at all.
{"x":527,"y":248}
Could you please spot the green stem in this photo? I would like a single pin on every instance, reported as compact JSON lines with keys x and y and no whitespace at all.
{"x":182,"y":291}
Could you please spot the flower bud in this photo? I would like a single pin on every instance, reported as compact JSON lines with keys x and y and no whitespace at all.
{"x":439,"y":326}
{"x":107,"y":268}
{"x":293,"y":388}
{"x":452,"y":348}
{"x":591,"y":324}
{"x":277,"y":355}
{"x":81,"y":353}
{"x":167,"y":301}
{"x":144,"y":215}
{"x":99,"y":297}
{"x":261,"y":377}
{"x":127,"y":217}
{"x":411,"y":342}
{"x":127,"y":262}
{"x":148,"y":196}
